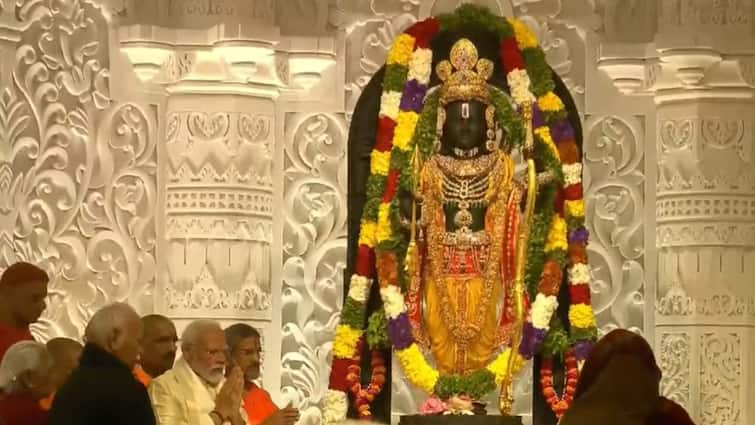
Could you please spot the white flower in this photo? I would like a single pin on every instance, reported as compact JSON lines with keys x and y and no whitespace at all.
{"x":359,"y":288}
{"x":420,"y":66}
{"x":389,"y":103}
{"x":542,"y":310}
{"x":393,"y":301}
{"x":572,"y":173}
{"x":579,"y":273}
{"x":519,"y":85}
{"x":335,"y":407}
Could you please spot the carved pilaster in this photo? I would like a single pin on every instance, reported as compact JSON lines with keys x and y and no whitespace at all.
{"x":705,"y":239}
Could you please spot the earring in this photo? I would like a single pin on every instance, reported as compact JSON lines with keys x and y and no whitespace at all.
{"x":491,"y":143}
{"x":436,"y":145}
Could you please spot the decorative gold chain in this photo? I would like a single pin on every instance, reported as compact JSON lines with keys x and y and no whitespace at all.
{"x":500,"y":178}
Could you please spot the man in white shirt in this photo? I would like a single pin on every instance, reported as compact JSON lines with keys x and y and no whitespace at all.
{"x":195,"y":392}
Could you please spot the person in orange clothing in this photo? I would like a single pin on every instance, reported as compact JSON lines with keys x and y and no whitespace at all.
{"x":23,"y":289}
{"x":65,"y":353}
{"x":244,"y":349}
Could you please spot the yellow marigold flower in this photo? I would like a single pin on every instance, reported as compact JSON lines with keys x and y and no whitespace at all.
{"x":574,"y":208}
{"x":524,"y":36}
{"x":367,"y":233}
{"x":405,"y":125}
{"x":401,"y":51}
{"x":581,"y":316}
{"x":545,"y":134}
{"x":501,"y":363}
{"x":556,"y":234}
{"x":380,"y":162}
{"x":345,"y":341}
{"x":549,"y":102}
{"x":383,"y":231}
{"x":416,"y":369}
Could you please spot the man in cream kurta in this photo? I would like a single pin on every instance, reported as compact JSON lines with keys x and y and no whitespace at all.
{"x":195,"y":392}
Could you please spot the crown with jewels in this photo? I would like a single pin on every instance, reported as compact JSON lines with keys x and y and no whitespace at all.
{"x":469,"y":80}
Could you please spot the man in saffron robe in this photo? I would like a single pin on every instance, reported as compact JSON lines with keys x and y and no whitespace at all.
{"x":244,"y":349}
{"x":158,"y":348}
{"x":23,"y":289}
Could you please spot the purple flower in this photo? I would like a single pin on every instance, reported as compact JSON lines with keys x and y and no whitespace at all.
{"x":413,"y":96}
{"x":537,"y":116}
{"x":579,"y":234}
{"x":582,"y":349}
{"x":400,"y":332}
{"x":532,"y":339}
{"x":562,"y":131}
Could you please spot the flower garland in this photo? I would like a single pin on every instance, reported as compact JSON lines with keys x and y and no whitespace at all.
{"x":559,"y":405}
{"x":407,"y":74}
{"x":558,"y":231}
{"x":363,"y":396}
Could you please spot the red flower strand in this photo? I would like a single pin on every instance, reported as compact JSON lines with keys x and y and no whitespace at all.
{"x":561,"y":404}
{"x":363,"y":396}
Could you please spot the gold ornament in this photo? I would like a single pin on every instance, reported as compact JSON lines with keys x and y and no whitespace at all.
{"x":469,"y":80}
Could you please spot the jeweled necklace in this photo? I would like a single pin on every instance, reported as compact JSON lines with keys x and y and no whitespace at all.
{"x":465,"y":184}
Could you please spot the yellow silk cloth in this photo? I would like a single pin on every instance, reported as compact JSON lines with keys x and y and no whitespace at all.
{"x":464,"y":297}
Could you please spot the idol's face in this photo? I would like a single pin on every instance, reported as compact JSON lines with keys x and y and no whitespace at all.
{"x":464,"y":128}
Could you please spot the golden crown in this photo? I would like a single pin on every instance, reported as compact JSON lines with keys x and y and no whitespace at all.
{"x":469,"y":81}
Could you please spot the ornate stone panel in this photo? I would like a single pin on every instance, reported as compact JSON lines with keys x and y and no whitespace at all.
{"x":218,"y":209}
{"x":615,"y":203}
{"x":674,"y":351}
{"x":720,"y":378}
{"x":705,"y":216}
{"x":314,"y":253}
{"x":77,"y":168}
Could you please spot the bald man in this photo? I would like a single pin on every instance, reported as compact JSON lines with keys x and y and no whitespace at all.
{"x":65,"y":354}
{"x":103,"y":390}
{"x":158,"y":348}
{"x":23,"y":289}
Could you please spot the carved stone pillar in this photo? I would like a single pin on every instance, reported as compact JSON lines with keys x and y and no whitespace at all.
{"x":250,"y":163}
{"x":218,"y":81}
{"x":700,"y":77}
{"x":705,"y":236}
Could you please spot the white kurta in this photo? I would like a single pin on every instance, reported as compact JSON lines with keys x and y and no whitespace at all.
{"x":181,"y":397}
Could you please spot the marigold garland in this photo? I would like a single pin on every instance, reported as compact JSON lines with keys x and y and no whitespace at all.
{"x":558,"y":231}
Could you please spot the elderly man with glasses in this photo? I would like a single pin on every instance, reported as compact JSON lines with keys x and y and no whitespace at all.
{"x":195,"y":391}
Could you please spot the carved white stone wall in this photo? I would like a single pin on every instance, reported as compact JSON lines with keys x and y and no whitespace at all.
{"x":314,"y":252}
{"x":78,"y":169}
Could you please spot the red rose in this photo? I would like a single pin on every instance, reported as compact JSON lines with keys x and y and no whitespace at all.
{"x":384,"y":140}
{"x":511,"y":57}
{"x":390,"y":186}
{"x":365,"y":261}
{"x":579,"y":294}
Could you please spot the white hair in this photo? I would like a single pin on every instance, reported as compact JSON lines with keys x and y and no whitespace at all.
{"x":108,"y":320}
{"x":21,"y":357}
{"x":195,"y":329}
